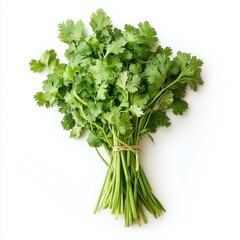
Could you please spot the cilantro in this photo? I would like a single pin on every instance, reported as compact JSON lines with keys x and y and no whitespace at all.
{"x":68,"y":122}
{"x":70,"y":31}
{"x":100,"y":21}
{"x":119,"y":86}
{"x":116,"y":46}
{"x":179,"y":107}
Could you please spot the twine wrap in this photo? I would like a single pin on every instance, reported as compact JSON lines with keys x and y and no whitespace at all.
{"x":125,"y":148}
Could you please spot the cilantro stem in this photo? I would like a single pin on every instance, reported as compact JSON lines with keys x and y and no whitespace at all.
{"x":100,"y":155}
{"x":78,"y":98}
{"x":123,"y":143}
{"x":104,"y":133}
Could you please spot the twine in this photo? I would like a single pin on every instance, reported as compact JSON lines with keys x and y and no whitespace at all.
{"x":125,"y":148}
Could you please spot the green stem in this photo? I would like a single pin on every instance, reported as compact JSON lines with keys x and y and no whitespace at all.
{"x":99,"y":154}
{"x":126,"y":189}
{"x":78,"y":98}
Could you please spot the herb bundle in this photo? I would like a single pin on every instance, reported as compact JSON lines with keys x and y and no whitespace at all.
{"x":118,"y":85}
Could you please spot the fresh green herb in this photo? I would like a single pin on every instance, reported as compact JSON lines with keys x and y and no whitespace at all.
{"x":119,"y":85}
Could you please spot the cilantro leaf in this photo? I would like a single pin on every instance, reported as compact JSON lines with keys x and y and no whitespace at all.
{"x":71,"y":100}
{"x":62,"y":106}
{"x":116,"y":46}
{"x":102,"y":91}
{"x":76,"y":132}
{"x":100,"y":21}
{"x":124,"y":123}
{"x":48,"y":61}
{"x":100,"y":71}
{"x":166,"y":99}
{"x":132,"y":85}
{"x":93,"y":140}
{"x":68,"y":121}
{"x":69,"y":75}
{"x":148,"y":33}
{"x":42,"y":99}
{"x":135,"y":68}
{"x":158,"y":119}
{"x":95,"y":109}
{"x":153,"y":74}
{"x":131,"y":34}
{"x":140,"y":100}
{"x":179,"y":90}
{"x":179,"y":106}
{"x":135,"y":110}
{"x":182,"y":59}
{"x":122,"y":80}
{"x":83,"y":49}
{"x":36,"y":66}
{"x":112,"y":116}
{"x":69,"y":31}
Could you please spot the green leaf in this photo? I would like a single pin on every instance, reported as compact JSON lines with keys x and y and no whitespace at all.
{"x":95,"y":108}
{"x":164,"y":62}
{"x":140,"y":100}
{"x":135,"y":68}
{"x":96,"y":45}
{"x":100,"y":21}
{"x":196,"y":81}
{"x":48,"y":56}
{"x":102,"y":91}
{"x":69,"y":31}
{"x":42,"y":99}
{"x":126,"y":56}
{"x":62,"y":106}
{"x":124,"y":124}
{"x":131,"y":34}
{"x":93,"y":140}
{"x":49,"y":87}
{"x":115,"y":63}
{"x":71,"y":100}
{"x":49,"y":62}
{"x":77,"y":117}
{"x":132,"y":85}
{"x":100,"y":71}
{"x":179,"y":106}
{"x":112,"y":116}
{"x":116,"y":46}
{"x":190,"y":70}
{"x":36,"y":66}
{"x":76,"y":132}
{"x":166,"y":100}
{"x":52,"y":84}
{"x":158,"y":119}
{"x":179,"y":90}
{"x":153,"y":74}
{"x":135,"y":110}
{"x":142,"y":51}
{"x":122,"y":80}
{"x":148,"y":33}
{"x":68,"y":122}
{"x":182,"y":59}
{"x":69,"y":75}
{"x":83,"y":49}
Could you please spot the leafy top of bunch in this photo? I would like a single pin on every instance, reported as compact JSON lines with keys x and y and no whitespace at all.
{"x":115,"y":80}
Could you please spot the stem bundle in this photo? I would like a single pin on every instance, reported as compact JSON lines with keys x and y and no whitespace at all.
{"x":126,"y":189}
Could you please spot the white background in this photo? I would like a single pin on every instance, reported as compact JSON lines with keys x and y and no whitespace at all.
{"x":49,"y":183}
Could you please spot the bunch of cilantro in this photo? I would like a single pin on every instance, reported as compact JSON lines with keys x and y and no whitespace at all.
{"x":118,"y":85}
